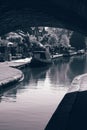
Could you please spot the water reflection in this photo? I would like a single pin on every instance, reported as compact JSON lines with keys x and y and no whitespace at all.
{"x":31,"y":79}
{"x":60,"y":74}
{"x":77,"y":66}
{"x":33,"y":101}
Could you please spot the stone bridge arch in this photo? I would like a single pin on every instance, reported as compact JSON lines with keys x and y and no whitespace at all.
{"x":16,"y":14}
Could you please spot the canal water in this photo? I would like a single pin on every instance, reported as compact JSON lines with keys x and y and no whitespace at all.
{"x":30,"y":104}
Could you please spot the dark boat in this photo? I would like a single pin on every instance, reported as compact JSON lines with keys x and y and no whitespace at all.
{"x":40,"y":59}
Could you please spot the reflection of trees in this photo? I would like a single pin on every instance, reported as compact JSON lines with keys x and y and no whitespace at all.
{"x":38,"y":74}
{"x":63,"y":72}
{"x":58,"y":73}
{"x":77,"y":66}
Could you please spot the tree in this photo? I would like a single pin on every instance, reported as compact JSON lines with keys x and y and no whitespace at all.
{"x":77,"y":40}
{"x":52,"y":40}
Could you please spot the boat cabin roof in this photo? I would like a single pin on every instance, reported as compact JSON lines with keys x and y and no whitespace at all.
{"x":41,"y":54}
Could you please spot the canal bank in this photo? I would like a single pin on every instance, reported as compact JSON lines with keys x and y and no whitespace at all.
{"x":10,"y":73}
{"x":71,"y":114}
{"x":9,"y":76}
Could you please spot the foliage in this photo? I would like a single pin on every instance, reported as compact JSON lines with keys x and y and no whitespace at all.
{"x":78,"y":41}
{"x":38,"y":38}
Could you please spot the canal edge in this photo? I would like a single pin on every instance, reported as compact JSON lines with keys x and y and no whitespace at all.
{"x":61,"y":116}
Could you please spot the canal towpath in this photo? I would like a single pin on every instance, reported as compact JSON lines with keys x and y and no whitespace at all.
{"x":10,"y":73}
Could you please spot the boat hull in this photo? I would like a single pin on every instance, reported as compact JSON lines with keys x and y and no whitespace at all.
{"x":40,"y":63}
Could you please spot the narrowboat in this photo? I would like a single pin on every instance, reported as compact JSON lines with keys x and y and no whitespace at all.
{"x":40,"y":59}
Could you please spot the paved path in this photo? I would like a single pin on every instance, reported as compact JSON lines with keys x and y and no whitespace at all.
{"x":71,"y":114}
{"x":10,"y":75}
{"x":19,"y":63}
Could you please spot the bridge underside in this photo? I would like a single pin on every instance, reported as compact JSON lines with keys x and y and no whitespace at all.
{"x":21,"y":14}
